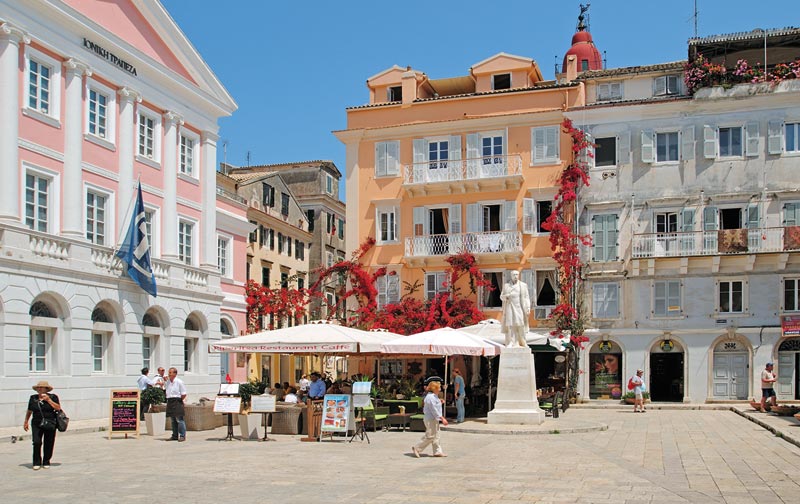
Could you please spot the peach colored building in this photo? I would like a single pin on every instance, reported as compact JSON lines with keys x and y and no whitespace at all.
{"x":94,"y":95}
{"x":466,"y":163}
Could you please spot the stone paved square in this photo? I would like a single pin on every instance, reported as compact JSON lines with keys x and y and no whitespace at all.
{"x":662,"y":456}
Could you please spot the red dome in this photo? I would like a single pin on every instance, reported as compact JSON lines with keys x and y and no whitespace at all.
{"x":584,"y":49}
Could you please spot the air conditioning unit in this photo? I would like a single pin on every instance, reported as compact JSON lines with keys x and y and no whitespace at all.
{"x":542,"y":313}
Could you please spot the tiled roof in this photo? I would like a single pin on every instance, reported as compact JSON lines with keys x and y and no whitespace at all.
{"x":660,"y":67}
{"x":554,"y":85}
{"x":754,"y":34}
{"x":245,"y":177}
{"x":621,"y":103}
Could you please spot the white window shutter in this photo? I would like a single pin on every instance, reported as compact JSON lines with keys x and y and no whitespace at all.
{"x":473,"y":155}
{"x":660,"y":86}
{"x":709,"y":142}
{"x":474,"y":218}
{"x":615,"y":90}
{"x":603,"y":92}
{"x":419,"y":221}
{"x":393,"y":288}
{"x":528,"y":216}
{"x":687,"y":220}
{"x":775,"y":141}
{"x":380,"y":285}
{"x":454,"y":167}
{"x":380,"y":159}
{"x":612,"y":297}
{"x":752,"y":220}
{"x":624,"y":148}
{"x":710,"y":218}
{"x":378,"y":236}
{"x":687,"y":143}
{"x":552,"y":143}
{"x":510,"y":214}
{"x":538,"y":143}
{"x":393,"y":158}
{"x":395,"y":217}
{"x":455,"y":219}
{"x":613,"y":237}
{"x":648,"y":146}
{"x":420,"y":151}
{"x":752,"y":134}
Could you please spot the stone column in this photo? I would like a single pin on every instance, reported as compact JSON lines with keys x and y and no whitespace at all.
{"x":10,"y":189}
{"x":169,"y":164}
{"x":72,"y":193}
{"x":208,"y":195}
{"x":127,"y":136}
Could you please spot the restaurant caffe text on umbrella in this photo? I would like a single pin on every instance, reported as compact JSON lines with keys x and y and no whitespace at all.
{"x":315,"y":338}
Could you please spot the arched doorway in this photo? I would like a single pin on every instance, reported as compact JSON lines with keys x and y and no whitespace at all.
{"x":666,"y":371}
{"x":730,"y":377}
{"x":605,"y":370}
{"x":788,"y":385}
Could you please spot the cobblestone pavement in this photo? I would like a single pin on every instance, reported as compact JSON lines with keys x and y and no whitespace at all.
{"x":660,"y":456}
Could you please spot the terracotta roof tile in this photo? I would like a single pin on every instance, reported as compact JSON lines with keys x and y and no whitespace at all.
{"x":660,"y":67}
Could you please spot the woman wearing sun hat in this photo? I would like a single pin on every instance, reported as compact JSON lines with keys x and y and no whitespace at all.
{"x":42,"y":406}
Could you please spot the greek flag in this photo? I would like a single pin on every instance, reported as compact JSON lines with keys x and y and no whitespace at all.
{"x":135,"y":250}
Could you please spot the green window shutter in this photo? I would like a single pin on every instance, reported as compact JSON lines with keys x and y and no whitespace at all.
{"x":710,"y":218}
{"x":687,"y":220}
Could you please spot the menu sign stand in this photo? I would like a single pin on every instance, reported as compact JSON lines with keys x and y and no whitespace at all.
{"x":335,"y":414}
{"x":361,"y":399}
{"x":124,"y":413}
{"x":265,"y":404}
{"x":227,"y":401}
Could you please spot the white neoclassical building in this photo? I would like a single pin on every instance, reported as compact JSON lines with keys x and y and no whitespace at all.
{"x":694,"y":270}
{"x":93,"y":96}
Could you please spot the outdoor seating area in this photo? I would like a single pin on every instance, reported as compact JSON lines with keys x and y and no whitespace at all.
{"x":288,"y":419}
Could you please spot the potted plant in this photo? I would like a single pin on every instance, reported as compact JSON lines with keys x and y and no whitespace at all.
{"x":155,"y":420}
{"x":629,"y":397}
{"x":248,"y":424}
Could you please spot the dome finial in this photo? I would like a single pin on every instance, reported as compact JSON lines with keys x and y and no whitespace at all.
{"x":581,"y":26}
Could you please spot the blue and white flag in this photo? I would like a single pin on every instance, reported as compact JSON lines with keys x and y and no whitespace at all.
{"x":135,"y":250}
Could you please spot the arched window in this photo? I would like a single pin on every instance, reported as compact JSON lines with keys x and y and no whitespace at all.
{"x":150,"y":321}
{"x":190,"y":325}
{"x":225,"y":328}
{"x":790,"y":345}
{"x":99,"y":315}
{"x":40,"y":309}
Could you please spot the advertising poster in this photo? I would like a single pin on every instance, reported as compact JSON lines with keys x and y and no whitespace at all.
{"x":605,"y":376}
{"x":335,"y":413}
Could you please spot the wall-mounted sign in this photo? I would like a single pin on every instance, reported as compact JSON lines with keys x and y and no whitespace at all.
{"x":605,"y":346}
{"x":790,"y":325}
{"x":667,"y":345}
{"x":109,"y":56}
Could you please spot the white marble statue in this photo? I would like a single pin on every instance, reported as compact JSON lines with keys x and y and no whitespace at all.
{"x":516,"y":311}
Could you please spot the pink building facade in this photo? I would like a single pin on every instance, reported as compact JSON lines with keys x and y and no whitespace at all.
{"x":93,"y":96}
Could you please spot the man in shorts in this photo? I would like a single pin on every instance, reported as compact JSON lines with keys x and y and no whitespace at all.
{"x":768,"y":380}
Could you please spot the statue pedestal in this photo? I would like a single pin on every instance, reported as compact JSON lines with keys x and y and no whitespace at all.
{"x":516,"y":402}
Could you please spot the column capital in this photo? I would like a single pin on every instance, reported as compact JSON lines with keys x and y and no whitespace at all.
{"x":171,"y":118}
{"x":13,"y":33}
{"x":77,"y":67}
{"x":209,"y":137}
{"x":127,"y":94}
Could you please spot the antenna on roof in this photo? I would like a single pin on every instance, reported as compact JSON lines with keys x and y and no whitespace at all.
{"x":605,"y":60}
{"x":696,"y":15}
{"x":225,"y":157}
{"x":555,"y":64}
{"x":248,"y":158}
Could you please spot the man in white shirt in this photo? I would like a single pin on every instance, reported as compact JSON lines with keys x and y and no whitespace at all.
{"x":304,"y":382}
{"x":143,"y":382}
{"x":291,"y":396}
{"x":768,"y":380}
{"x":160,"y":380}
{"x":176,"y":393}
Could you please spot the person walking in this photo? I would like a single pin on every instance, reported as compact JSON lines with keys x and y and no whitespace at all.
{"x":176,"y":393}
{"x":460,"y":393}
{"x":638,"y":391}
{"x":768,"y":380}
{"x":42,"y":406}
{"x":143,"y":382}
{"x":432,"y":409}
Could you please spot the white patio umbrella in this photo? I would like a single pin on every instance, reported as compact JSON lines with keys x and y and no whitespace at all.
{"x":315,"y":338}
{"x":445,"y":342}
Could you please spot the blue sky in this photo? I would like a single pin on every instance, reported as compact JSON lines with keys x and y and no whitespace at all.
{"x":293,"y":67}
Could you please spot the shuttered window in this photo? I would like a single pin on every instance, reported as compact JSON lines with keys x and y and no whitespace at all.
{"x":605,"y":300}
{"x":387,"y":159}
{"x":604,"y":237}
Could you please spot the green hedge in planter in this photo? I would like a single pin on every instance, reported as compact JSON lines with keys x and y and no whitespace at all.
{"x":631,"y":395}
{"x":154,"y":396}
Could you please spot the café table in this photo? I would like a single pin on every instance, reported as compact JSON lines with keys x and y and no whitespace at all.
{"x":399,"y":420}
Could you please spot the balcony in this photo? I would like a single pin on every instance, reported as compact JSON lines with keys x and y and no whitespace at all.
{"x":31,"y":250}
{"x":712,"y":243}
{"x":463,"y":175}
{"x":502,"y":245}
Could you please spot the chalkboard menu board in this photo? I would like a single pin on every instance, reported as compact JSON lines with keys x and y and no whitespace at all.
{"x":124,"y":415}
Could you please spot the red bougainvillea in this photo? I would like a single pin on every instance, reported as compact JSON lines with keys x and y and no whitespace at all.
{"x":273,"y":305}
{"x":564,"y":241}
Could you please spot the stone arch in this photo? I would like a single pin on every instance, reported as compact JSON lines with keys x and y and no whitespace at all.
{"x":719,"y":366}
{"x":108,"y":337}
{"x":155,"y":345}
{"x":667,"y":373}
{"x":156,"y":315}
{"x":55,"y":304}
{"x":227,"y":326}
{"x":604,"y":370}
{"x":48,"y":331}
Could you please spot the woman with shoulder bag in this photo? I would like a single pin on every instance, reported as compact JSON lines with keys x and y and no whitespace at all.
{"x":42,"y":406}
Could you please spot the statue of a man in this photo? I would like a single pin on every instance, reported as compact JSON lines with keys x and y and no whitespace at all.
{"x":516,"y":310}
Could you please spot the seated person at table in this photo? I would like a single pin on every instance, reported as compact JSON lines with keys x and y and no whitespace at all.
{"x":316,"y":390}
{"x":335,"y":388}
{"x":285,"y":385}
{"x":291,"y":396}
{"x":278,"y":392}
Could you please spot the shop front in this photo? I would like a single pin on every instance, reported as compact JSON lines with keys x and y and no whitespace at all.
{"x":666,"y":371}
{"x":605,"y":371}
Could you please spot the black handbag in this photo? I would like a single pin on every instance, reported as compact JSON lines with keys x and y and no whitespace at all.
{"x":62,"y":420}
{"x":46,"y":424}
